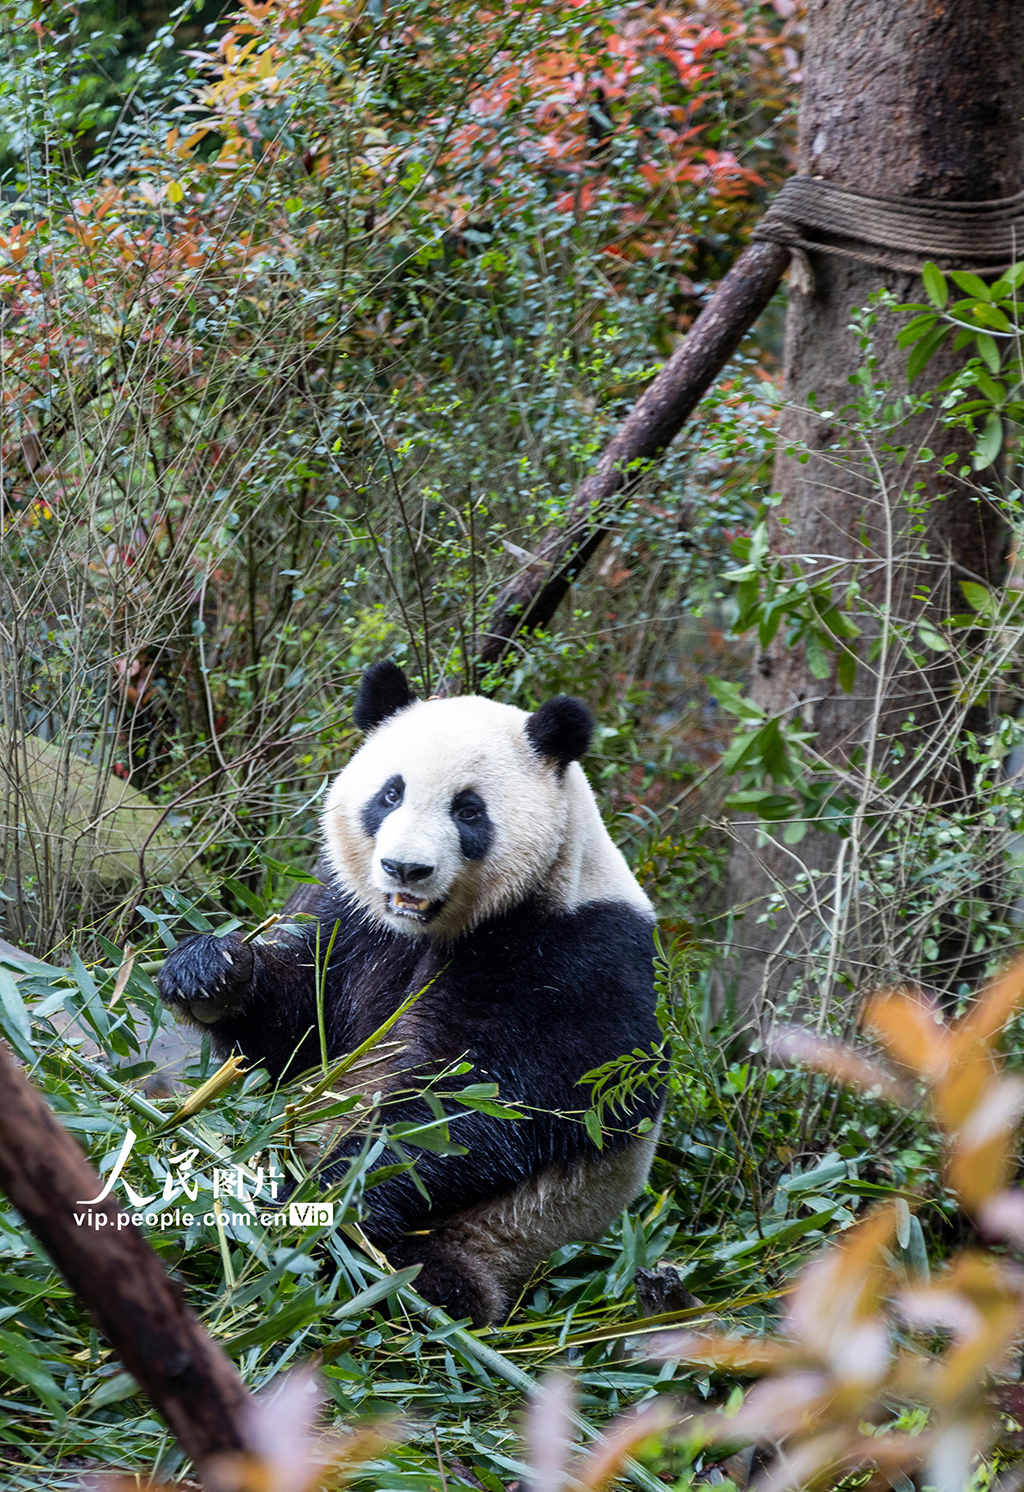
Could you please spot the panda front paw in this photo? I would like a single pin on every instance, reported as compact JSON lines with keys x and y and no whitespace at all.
{"x":207,"y":978}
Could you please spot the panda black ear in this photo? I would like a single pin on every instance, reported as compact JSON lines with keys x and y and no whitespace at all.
{"x":383,"y":692}
{"x":561,"y":730}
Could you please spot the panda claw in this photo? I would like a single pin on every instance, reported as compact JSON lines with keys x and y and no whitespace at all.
{"x":204,"y":976}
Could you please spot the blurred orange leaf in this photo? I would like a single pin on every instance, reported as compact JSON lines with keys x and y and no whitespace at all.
{"x":838,"y":1060}
{"x":913,"y":1030}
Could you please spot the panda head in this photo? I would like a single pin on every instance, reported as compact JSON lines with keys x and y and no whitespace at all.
{"x":453,"y":810}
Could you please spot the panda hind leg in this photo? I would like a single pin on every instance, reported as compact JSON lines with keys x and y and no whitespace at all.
{"x":476,"y":1262}
{"x":450,"y":1278}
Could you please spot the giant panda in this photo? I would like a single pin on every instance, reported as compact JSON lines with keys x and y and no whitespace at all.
{"x":466,"y":858}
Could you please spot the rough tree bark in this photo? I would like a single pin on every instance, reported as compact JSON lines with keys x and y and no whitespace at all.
{"x":924,"y":99}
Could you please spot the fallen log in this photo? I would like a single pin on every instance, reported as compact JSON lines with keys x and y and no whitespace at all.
{"x":113,"y":1270}
{"x":530,"y":600}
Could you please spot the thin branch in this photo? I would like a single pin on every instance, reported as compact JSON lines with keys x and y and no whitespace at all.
{"x":530,"y":600}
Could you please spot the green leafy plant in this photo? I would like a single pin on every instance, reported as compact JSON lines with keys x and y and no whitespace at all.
{"x":987,"y":393}
{"x":862,"y":1321}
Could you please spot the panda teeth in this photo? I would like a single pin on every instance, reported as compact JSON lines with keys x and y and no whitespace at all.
{"x":401,"y":901}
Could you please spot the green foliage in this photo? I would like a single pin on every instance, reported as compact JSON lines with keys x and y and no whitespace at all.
{"x":987,"y":393}
{"x":309,"y":361}
{"x":275,"y":1295}
{"x":615,"y":1086}
{"x":72,"y":78}
{"x":926,"y":815}
{"x":769,"y":592}
{"x":766,"y":753}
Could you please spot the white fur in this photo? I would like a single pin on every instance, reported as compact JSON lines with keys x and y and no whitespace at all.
{"x":549,"y":838}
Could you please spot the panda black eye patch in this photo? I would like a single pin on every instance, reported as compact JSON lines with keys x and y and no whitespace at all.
{"x":384,"y":801}
{"x":476,"y":832}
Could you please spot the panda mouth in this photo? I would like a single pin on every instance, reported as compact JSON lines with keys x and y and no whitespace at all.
{"x":404,"y":904}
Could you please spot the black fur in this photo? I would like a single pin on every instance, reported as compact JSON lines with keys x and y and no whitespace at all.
{"x":383,"y":802}
{"x":383,"y":692}
{"x":561,"y":729}
{"x":212,"y":973}
{"x":533,"y":1000}
{"x":439,"y":1280}
{"x":476,"y":832}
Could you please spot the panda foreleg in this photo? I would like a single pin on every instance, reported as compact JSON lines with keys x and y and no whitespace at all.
{"x":253,"y":997}
{"x":206,"y":977}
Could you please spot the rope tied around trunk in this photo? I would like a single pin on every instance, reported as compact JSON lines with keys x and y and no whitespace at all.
{"x":811,"y":216}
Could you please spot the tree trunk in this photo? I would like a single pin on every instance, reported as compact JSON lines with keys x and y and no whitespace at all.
{"x":113,"y":1270}
{"x":923,"y":99}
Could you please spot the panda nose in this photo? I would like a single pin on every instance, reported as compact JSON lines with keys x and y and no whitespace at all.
{"x":401,"y":870}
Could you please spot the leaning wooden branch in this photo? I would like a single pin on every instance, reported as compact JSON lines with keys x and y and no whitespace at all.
{"x":112,"y":1269}
{"x":531,"y":599}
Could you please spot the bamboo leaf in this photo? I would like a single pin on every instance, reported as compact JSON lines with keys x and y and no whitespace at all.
{"x":374,"y":1294}
{"x":15,"y":1018}
{"x":281,"y":1326}
{"x":19,"y":1358}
